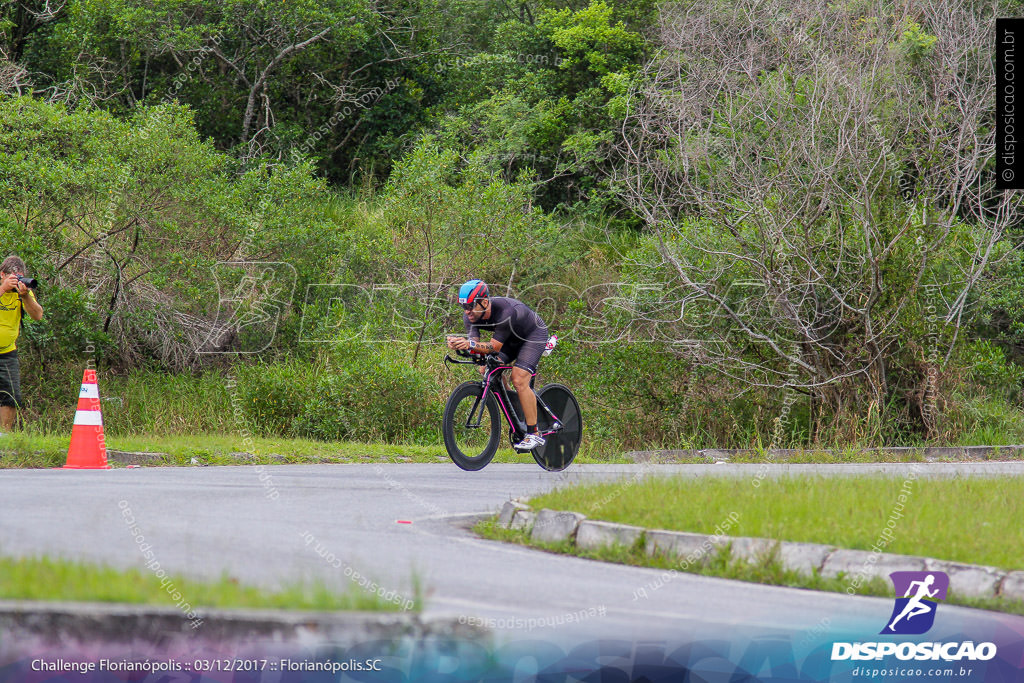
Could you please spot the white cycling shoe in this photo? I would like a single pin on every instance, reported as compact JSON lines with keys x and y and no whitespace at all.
{"x":530,"y":442}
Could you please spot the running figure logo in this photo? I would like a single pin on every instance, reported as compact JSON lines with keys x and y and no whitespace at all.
{"x":914,"y":612}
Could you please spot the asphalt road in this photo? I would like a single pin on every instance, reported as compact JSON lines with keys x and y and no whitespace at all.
{"x":342,"y":522}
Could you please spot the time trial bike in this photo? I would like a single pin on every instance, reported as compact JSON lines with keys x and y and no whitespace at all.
{"x":472,"y":424}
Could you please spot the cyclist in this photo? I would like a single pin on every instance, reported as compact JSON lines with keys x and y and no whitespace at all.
{"x":518,"y":334}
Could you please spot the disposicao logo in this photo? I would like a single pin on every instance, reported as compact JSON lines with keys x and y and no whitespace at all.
{"x":917,"y":596}
{"x":914,"y":613}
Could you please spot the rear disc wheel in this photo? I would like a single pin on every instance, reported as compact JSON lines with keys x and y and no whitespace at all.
{"x":560,"y":448}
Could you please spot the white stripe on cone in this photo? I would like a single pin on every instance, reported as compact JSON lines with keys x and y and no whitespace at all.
{"x":90,"y":418}
{"x":89,"y":391}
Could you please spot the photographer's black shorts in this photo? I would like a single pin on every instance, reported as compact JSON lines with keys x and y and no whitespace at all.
{"x":10,"y":380}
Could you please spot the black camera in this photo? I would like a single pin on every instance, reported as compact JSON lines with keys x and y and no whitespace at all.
{"x":29,"y":282}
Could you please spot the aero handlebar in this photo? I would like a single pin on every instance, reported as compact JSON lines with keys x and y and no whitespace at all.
{"x":472,"y":358}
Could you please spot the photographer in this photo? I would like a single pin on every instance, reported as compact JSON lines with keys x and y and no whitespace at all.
{"x":15,"y":297}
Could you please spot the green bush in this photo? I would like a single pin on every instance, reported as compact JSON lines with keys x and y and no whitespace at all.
{"x":372,"y":401}
{"x":632,"y":395}
{"x":163,"y":403}
{"x":988,"y":366}
{"x":353,"y":394}
{"x":983,"y":421}
{"x":273,"y":396}
{"x":146,"y":401}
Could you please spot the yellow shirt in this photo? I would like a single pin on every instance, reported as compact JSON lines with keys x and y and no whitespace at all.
{"x":10,"y":319}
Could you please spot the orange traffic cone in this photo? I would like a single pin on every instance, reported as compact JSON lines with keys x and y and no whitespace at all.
{"x":88,"y":450}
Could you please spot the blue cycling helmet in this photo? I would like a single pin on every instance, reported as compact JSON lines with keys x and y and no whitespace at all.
{"x":471,"y":291}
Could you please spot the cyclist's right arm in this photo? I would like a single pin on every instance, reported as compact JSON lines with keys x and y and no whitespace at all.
{"x":455,"y":342}
{"x":473,"y":334}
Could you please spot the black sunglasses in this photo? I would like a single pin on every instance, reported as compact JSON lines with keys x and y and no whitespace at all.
{"x":478,"y":300}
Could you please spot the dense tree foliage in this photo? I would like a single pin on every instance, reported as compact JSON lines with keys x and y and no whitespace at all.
{"x":751,"y":222}
{"x":124,"y":218}
{"x":830,"y":205}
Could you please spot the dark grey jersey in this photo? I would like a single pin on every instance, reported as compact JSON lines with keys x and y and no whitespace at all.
{"x":510,"y":320}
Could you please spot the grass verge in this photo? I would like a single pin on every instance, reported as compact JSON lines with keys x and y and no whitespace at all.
{"x":27,"y":450}
{"x":905,"y":516}
{"x":901,"y":516}
{"x":724,"y":566}
{"x":43,"y":578}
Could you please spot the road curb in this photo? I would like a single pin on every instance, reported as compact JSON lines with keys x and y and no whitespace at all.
{"x":969,"y":580}
{"x":85,"y":622}
{"x":136,"y":457}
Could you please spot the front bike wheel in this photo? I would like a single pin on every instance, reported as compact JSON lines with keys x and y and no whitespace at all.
{"x":471,"y":431}
{"x":560,"y":447}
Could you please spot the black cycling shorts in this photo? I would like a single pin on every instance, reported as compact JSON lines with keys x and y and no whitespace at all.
{"x":526,"y":353}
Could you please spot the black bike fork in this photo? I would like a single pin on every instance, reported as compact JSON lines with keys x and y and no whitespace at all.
{"x":480,"y":401}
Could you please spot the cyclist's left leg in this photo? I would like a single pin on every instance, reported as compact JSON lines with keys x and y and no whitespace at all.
{"x":521,"y":380}
{"x":523,"y":371}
